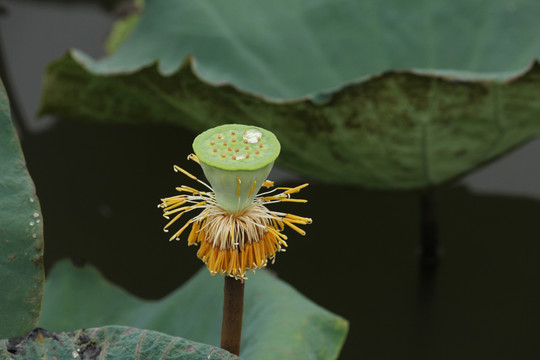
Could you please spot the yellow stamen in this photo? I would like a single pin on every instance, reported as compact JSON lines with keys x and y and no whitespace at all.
{"x":232,"y":259}
{"x":293,"y":190}
{"x":194,"y":158}
{"x":272,"y":198}
{"x":279,"y":224}
{"x":172,"y":221}
{"x":178,"y":168}
{"x":193,"y":234}
{"x":177,"y":234}
{"x":268,"y":184}
{"x":184,"y":208}
{"x":239,"y":183}
{"x":218,"y":265}
{"x":188,"y":189}
{"x":243,"y":261}
{"x":277,"y":233}
{"x":173,"y":198}
{"x":257,"y":252}
{"x":301,"y":218}
{"x":249,"y":259}
{"x":294,"y":227}
{"x":175,"y":204}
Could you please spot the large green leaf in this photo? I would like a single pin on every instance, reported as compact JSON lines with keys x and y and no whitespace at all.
{"x":312,"y":72}
{"x":109,"y":342}
{"x":278,"y":321}
{"x":21,"y":235}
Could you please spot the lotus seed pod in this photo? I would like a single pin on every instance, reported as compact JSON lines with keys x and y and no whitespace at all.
{"x":236,"y":159}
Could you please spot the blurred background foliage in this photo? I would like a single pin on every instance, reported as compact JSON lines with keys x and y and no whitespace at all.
{"x":98,"y":184}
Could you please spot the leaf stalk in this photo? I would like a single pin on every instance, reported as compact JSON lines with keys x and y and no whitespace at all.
{"x":233,"y":309}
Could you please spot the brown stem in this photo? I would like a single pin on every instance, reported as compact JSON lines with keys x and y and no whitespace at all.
{"x":233,"y":308}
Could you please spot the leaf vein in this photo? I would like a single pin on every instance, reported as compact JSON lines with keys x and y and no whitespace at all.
{"x":168,"y":348}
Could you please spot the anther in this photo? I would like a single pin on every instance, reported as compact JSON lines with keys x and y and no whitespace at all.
{"x":236,"y":150}
{"x":234,"y":157}
{"x":212,"y":142}
{"x":261,"y":146}
{"x":233,"y":140}
{"x":257,"y":152}
{"x":223,"y":155}
{"x":247,"y":156}
{"x":225,"y":143}
{"x":220,"y":136}
{"x":233,"y":133}
{"x":229,"y":148}
{"x":178,"y":168}
{"x":215,"y":150}
{"x":245,"y":141}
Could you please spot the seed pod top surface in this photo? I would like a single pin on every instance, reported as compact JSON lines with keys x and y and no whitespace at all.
{"x":237,"y":147}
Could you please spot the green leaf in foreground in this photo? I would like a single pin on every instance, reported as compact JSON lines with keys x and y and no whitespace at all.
{"x":322,"y":76}
{"x":109,"y":342}
{"x":279,"y":323}
{"x":21,"y":235}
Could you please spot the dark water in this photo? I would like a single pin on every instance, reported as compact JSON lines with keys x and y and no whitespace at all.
{"x":99,"y":186}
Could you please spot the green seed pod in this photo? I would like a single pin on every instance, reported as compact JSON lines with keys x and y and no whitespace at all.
{"x":236,"y":159}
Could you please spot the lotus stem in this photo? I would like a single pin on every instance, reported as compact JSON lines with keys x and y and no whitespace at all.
{"x":233,"y":309}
